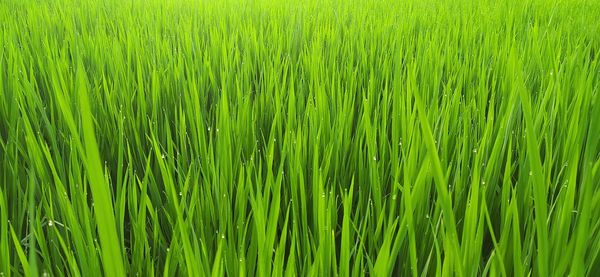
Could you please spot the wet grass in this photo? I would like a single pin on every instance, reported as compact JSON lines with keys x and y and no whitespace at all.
{"x":317,"y":138}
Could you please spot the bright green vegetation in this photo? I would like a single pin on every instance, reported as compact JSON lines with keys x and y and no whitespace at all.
{"x":302,"y":138}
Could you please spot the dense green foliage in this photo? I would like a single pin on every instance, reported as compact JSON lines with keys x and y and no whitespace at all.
{"x":299,"y":137}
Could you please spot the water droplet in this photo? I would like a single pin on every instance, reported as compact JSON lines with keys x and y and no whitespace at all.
{"x":222,"y":236}
{"x":475,"y":150}
{"x":530,"y":173}
{"x":168,"y":249}
{"x":50,"y":223}
{"x":162,"y":156}
{"x":374,"y":158}
{"x":180,"y":193}
{"x":209,"y":129}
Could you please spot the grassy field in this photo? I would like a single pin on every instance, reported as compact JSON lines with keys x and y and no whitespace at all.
{"x":299,"y":138}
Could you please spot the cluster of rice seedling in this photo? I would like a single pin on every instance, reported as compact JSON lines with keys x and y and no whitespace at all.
{"x":299,"y":138}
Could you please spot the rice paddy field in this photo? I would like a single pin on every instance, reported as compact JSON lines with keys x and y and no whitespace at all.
{"x":299,"y":138}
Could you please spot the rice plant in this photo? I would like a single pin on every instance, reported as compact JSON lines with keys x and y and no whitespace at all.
{"x":299,"y":138}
